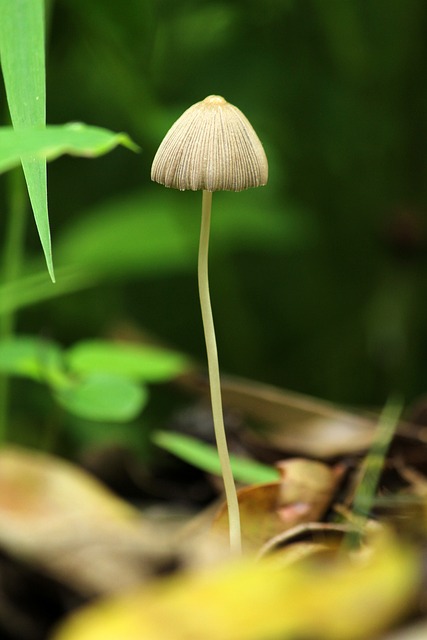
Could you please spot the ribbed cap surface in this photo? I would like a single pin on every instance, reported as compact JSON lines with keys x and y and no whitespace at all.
{"x":213,"y":147}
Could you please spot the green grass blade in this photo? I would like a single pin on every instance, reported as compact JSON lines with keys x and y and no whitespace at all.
{"x":205,"y":456}
{"x":372,"y":467}
{"x":22,"y":52}
{"x":35,"y":288}
{"x":23,"y":62}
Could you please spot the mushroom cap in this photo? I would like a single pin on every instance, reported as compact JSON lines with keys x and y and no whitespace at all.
{"x":213,"y":147}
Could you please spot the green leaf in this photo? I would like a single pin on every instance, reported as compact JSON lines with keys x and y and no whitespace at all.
{"x":157,"y":231}
{"x":22,"y":53}
{"x":53,"y":141}
{"x":139,"y":362}
{"x":34,"y":287}
{"x":205,"y":456}
{"x":153,"y":233}
{"x":103,"y":397}
{"x":30,"y":357}
{"x":94,"y":395}
{"x":147,"y":232}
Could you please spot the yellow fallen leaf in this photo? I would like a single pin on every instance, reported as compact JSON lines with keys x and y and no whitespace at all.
{"x":347,"y":600}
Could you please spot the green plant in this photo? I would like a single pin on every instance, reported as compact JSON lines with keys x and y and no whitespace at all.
{"x":30,"y":143}
{"x":204,"y":456}
{"x":212,"y":147}
{"x":94,"y":379}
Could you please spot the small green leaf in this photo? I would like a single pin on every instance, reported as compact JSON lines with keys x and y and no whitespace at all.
{"x":205,"y":456}
{"x":103,"y":397}
{"x":140,"y":362}
{"x":53,"y":141}
{"x":30,"y":357}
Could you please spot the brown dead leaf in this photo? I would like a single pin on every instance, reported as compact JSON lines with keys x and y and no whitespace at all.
{"x":294,"y":423}
{"x":62,"y":520}
{"x":306,"y":540}
{"x":298,"y":423}
{"x":302,"y":495}
{"x":259,"y":518}
{"x":306,"y":489}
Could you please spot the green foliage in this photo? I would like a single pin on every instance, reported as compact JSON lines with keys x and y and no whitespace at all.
{"x":334,"y":91}
{"x":205,"y":457}
{"x":93,"y":380}
{"x":30,"y":357}
{"x":317,"y":279}
{"x":143,"y":363}
{"x":22,"y":53}
{"x":102,"y":397}
{"x":375,"y":460}
{"x":143,"y":235}
{"x":51,"y":142}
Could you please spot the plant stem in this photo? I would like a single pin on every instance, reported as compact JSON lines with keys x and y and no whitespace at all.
{"x":214,"y":379}
{"x":13,"y":250}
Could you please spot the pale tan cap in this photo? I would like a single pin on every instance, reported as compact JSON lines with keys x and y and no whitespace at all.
{"x":211,"y":147}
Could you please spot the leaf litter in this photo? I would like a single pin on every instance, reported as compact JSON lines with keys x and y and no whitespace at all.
{"x":322,"y":558}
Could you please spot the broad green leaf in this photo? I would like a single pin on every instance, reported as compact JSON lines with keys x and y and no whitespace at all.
{"x":95,"y":395}
{"x":103,"y":397}
{"x":157,"y":231}
{"x":148,"y":364}
{"x":22,"y":53}
{"x":205,"y":457}
{"x":147,"y":233}
{"x":152,"y":233}
{"x":53,"y":141}
{"x":30,"y":357}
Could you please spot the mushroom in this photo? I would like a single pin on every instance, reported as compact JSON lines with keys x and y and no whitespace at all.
{"x":212,"y":147}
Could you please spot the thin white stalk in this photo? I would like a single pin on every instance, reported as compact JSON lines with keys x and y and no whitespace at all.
{"x":214,"y":379}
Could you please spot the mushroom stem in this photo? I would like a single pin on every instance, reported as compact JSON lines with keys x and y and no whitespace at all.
{"x":214,"y":379}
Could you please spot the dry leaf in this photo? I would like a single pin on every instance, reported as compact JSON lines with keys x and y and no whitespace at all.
{"x":417,"y":631}
{"x":298,"y":423}
{"x":249,"y":601}
{"x":294,"y":423}
{"x":302,"y":495}
{"x":62,"y":520}
{"x":306,"y":540}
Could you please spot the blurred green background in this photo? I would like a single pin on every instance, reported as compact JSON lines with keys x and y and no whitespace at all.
{"x":318,"y":280}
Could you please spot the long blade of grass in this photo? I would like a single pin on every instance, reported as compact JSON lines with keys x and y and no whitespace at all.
{"x":205,"y":456}
{"x":35,"y":288}
{"x":22,"y":51}
{"x":373,"y":466}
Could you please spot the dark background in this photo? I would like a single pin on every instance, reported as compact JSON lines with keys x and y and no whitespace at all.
{"x":318,"y":279}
